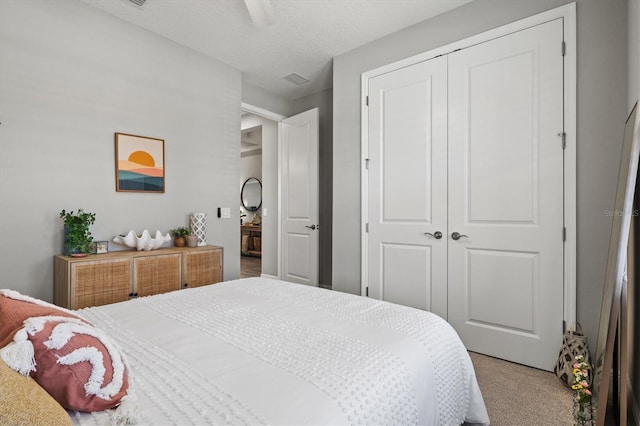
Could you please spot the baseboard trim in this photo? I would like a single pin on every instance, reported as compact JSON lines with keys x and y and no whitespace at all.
{"x":273,"y":277}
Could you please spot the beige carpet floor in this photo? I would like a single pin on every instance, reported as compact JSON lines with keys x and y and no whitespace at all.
{"x":518,"y":395}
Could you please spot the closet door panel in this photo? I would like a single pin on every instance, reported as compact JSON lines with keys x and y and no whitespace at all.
{"x":506,"y":195}
{"x":402,"y":288}
{"x":407,"y":146}
{"x":407,"y":186}
{"x":503,"y":123}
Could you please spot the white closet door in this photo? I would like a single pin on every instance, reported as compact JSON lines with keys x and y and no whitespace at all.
{"x":407,"y":186}
{"x":506,"y":195}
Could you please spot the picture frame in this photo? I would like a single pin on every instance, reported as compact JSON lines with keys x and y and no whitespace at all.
{"x":139,"y":163}
{"x":100,"y":247}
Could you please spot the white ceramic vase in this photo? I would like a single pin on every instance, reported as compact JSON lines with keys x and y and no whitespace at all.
{"x":199,"y":227}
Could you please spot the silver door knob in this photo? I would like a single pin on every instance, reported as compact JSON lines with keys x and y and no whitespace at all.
{"x":312,"y":227}
{"x":456,"y":236}
{"x":437,"y":235}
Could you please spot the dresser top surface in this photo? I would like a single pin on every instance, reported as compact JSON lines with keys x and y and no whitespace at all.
{"x":136,"y":253}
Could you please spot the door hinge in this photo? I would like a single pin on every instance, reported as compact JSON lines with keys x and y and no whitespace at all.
{"x":366,"y":163}
{"x":366,"y":292}
{"x":563,"y":135}
{"x":564,"y":326}
{"x":367,"y":100}
{"x":564,"y":233}
{"x":366,"y":227}
{"x":564,"y":48}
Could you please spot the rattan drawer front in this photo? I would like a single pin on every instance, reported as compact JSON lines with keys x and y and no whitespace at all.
{"x":100,"y":282}
{"x":202,"y":267}
{"x":157,"y":274}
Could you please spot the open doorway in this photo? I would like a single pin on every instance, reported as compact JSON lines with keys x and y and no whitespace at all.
{"x":258,"y":198}
{"x":278,"y":133}
{"x":250,"y":198}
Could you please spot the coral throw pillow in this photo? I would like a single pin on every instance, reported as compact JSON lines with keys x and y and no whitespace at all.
{"x":78,"y":364}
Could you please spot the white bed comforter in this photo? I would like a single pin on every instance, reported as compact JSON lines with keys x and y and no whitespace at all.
{"x":262,"y":351}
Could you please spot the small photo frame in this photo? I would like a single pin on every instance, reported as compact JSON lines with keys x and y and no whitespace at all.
{"x":139,"y":163}
{"x":100,"y":247}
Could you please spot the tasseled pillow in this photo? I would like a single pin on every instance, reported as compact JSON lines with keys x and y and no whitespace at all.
{"x":77,"y":363}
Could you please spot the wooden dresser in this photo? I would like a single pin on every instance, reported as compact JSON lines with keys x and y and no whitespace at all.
{"x":94,"y":280}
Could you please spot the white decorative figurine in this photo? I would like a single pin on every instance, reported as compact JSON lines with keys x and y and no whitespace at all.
{"x":143,"y":242}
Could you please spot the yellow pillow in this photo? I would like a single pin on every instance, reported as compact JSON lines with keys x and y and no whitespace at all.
{"x":24,"y":402}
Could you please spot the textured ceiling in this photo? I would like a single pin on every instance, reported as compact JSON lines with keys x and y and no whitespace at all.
{"x":306,"y":35}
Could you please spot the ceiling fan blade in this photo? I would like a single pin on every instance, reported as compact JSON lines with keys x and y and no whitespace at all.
{"x":261,"y":12}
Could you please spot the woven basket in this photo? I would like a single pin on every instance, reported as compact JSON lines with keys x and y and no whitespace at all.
{"x":574,"y":343}
{"x":257,"y":243}
{"x":244,"y":246}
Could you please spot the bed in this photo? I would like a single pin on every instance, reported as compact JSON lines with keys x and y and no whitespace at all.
{"x":263,"y":351}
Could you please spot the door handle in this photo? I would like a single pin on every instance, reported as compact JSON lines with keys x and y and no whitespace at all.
{"x":456,"y":236}
{"x":437,"y":235}
{"x":312,"y":227}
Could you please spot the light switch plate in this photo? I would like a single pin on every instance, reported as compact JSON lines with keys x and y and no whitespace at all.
{"x":264,"y":212}
{"x":226,"y":212}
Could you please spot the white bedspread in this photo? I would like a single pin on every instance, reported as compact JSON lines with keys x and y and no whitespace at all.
{"x":261,"y":351}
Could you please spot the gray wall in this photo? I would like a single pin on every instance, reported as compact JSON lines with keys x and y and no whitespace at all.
{"x":270,"y":197}
{"x":324,"y":102}
{"x":602,"y":109}
{"x":261,"y":98}
{"x":250,"y":160}
{"x":250,"y":166}
{"x":71,"y":76}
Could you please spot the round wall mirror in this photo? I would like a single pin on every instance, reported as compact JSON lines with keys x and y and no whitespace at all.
{"x":251,"y":194}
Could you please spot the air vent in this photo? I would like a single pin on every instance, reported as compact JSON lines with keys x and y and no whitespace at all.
{"x":138,"y":3}
{"x":296,"y":79}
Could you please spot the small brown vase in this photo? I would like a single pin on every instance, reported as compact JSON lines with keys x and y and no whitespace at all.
{"x":179,"y":241}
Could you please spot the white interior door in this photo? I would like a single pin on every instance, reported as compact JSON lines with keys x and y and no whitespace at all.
{"x":299,"y":198}
{"x":407,"y":175}
{"x":506,"y":195}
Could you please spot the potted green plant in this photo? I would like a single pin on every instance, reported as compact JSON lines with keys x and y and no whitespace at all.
{"x":78,"y":240}
{"x":179,"y":236}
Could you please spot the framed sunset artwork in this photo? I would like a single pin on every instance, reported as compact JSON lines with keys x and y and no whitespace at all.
{"x":139,"y":163}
